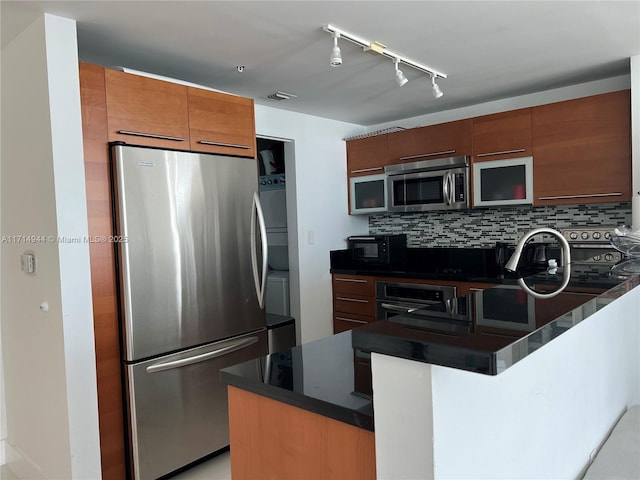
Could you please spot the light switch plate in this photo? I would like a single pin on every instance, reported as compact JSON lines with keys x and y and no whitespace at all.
{"x":28,"y":262}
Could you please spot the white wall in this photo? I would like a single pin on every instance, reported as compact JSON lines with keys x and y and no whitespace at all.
{"x":48,"y":356}
{"x":541,"y":418}
{"x":316,"y":209}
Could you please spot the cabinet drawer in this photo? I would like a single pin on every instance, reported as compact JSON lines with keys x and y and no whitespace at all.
{"x":343,"y":322}
{"x":354,"y":285}
{"x":354,"y":304}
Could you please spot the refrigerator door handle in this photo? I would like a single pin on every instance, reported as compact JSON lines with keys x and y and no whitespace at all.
{"x":183,"y":362}
{"x":260,"y":286}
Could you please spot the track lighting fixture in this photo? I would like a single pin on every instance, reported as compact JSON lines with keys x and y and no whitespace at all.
{"x":400,"y":77}
{"x":435,"y":89}
{"x":381,"y":49}
{"x":336,"y":55}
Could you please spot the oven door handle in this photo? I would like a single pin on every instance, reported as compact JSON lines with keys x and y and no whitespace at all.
{"x":398,"y":308}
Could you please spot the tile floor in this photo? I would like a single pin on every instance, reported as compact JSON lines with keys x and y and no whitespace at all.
{"x":216,"y":468}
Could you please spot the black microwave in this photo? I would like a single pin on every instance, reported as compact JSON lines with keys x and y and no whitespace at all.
{"x":378,"y":250}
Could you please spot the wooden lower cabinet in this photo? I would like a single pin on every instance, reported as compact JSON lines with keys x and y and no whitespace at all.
{"x":354,"y":301}
{"x":271,"y":440}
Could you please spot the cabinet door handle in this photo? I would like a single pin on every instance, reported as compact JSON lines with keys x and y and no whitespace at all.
{"x":586,"y":195}
{"x":151,"y":135}
{"x":351,"y":320}
{"x":220,"y":144}
{"x":355,"y":300}
{"x":353,"y":280}
{"x":362,"y":170}
{"x":422,"y":155}
{"x":504,"y":152}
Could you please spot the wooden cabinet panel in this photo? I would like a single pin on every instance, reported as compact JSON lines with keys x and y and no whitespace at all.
{"x":346,"y":321}
{"x":582,"y":150}
{"x":221,"y":123}
{"x":103,"y":276}
{"x":367,"y":156}
{"x":435,"y":141}
{"x":354,"y":304}
{"x":306,"y":445}
{"x":154,"y":111}
{"x":354,"y":285}
{"x":464,"y":288}
{"x":502,"y":135}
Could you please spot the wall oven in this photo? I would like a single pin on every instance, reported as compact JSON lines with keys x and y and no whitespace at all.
{"x":439,"y":184}
{"x":401,"y":298}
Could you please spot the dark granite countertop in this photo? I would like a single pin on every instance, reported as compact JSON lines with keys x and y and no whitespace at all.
{"x":318,"y":376}
{"x":485,"y":332}
{"x":490,"y":330}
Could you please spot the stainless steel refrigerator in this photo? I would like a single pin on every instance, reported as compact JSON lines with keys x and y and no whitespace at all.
{"x":192,"y":268}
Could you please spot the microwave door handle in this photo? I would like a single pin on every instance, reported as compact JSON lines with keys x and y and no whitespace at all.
{"x":452,"y":190}
{"x":446,"y":190}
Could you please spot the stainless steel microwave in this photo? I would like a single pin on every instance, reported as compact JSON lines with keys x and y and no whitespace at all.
{"x":368,"y":194}
{"x":439,"y":184}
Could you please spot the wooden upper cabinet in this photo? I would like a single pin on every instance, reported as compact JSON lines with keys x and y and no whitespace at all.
{"x":221,"y":123}
{"x":367,"y":156}
{"x":146,"y":111}
{"x":435,"y":141}
{"x":502,"y":135}
{"x":582,"y":150}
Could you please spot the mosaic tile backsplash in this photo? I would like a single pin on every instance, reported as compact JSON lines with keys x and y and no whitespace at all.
{"x":485,"y":227}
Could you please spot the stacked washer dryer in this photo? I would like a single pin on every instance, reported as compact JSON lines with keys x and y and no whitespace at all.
{"x":272,"y":184}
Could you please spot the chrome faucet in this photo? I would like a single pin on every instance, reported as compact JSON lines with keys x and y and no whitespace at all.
{"x":512,"y":264}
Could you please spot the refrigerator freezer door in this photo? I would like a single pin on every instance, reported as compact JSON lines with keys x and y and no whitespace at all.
{"x":186,"y":274}
{"x":179,"y":406}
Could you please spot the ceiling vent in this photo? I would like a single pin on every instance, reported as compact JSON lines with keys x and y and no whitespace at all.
{"x":282,"y":96}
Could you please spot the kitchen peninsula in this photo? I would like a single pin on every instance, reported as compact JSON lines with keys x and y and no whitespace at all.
{"x":534,"y":394}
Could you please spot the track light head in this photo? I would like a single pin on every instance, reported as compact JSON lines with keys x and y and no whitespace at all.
{"x":335,"y":60}
{"x":401,"y":78}
{"x":435,"y":89}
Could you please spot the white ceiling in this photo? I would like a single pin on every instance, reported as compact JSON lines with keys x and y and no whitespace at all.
{"x":489,"y":50}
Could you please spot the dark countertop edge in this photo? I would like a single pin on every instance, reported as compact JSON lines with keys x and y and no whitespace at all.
{"x":462,"y":278}
{"x":314,"y":405}
{"x":484,"y":362}
{"x":418,"y":275}
{"x":371,"y":340}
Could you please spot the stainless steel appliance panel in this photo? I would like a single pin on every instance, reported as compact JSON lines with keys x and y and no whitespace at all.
{"x":440,"y":184}
{"x":186,"y":271}
{"x":179,"y":406}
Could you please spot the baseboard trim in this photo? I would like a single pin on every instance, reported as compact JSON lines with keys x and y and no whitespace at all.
{"x":20,"y":464}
